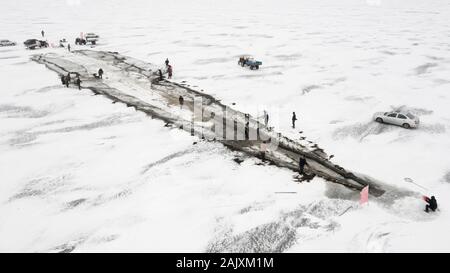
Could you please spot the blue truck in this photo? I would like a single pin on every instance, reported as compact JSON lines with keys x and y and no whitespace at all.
{"x":249,"y":61}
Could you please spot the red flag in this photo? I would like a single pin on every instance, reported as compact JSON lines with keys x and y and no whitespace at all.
{"x":364,"y":195}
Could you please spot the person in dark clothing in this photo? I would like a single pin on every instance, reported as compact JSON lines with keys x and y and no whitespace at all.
{"x":100,"y":73}
{"x":263,"y":149}
{"x":246,"y":130}
{"x":432,"y":204}
{"x":78,"y":81}
{"x":301,"y":164}
{"x":160,"y":75}
{"x":169,"y":71}
{"x":68,"y":47}
{"x":67,"y":79}
{"x":257,"y":130}
{"x":241,"y":61}
{"x":63,"y":79}
{"x":167,"y":62}
{"x":181,"y":100}
{"x":294,"y":119}
{"x":42,"y":33}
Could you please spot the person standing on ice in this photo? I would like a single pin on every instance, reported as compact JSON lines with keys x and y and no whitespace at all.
{"x":246,"y":130}
{"x":100,"y":73}
{"x":181,"y":100}
{"x":160,"y":75}
{"x":78,"y":81}
{"x":67,"y":80}
{"x":301,"y":164}
{"x":42,"y":33}
{"x":63,"y":79}
{"x":263,"y":149}
{"x":167,"y":62}
{"x":169,"y":71}
{"x":432,"y":204}
{"x":294,"y":119}
{"x":68,"y":47}
{"x":257,"y":130}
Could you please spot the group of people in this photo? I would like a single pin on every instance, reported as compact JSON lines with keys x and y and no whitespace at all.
{"x":266,"y":118}
{"x":169,"y":70}
{"x":65,"y":79}
{"x":60,"y":42}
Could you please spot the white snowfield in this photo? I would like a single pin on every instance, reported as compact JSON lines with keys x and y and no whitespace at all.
{"x":79,"y":173}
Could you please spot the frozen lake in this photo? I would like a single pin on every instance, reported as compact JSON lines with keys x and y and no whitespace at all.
{"x":82,"y":174}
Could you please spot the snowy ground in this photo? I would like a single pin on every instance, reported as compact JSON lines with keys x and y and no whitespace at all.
{"x":79,"y":173}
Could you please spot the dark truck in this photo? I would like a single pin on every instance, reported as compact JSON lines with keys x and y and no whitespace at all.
{"x":89,"y":38}
{"x":35,"y":43}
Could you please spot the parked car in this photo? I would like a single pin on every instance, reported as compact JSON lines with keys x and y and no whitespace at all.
{"x":35,"y":43}
{"x":91,"y":38}
{"x":404,"y":119}
{"x":249,"y":61}
{"x":7,"y":43}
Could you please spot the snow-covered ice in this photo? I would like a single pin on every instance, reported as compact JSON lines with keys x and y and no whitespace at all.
{"x":79,"y":173}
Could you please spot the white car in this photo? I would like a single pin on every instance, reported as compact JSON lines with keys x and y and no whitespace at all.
{"x":406,"y":120}
{"x":7,"y":43}
{"x":91,"y":38}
